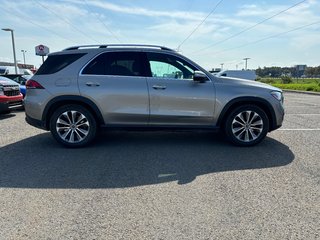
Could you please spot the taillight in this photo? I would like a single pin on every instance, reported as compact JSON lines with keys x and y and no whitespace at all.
{"x":32,"y":84}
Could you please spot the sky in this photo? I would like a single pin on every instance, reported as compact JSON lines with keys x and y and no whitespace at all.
{"x":210,"y":32}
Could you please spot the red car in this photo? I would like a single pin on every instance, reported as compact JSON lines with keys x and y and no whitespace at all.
{"x":10,"y":95}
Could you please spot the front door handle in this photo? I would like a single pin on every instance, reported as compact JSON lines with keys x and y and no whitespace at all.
{"x":92,"y":84}
{"x":159,"y":87}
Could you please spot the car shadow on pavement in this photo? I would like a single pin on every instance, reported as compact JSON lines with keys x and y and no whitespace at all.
{"x":127,"y":159}
{"x":6,"y":115}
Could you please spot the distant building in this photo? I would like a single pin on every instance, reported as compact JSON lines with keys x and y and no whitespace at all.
{"x":299,"y":70}
{"x":20,"y":65}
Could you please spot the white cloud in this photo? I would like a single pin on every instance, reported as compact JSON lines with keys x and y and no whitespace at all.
{"x":34,"y":24}
{"x":144,"y":11}
{"x":303,"y":42}
{"x":301,"y":14}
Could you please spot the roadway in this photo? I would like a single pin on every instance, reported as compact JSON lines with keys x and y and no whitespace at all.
{"x":163,"y":185}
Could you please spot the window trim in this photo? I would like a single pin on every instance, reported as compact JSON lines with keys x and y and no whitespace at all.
{"x":146,"y":68}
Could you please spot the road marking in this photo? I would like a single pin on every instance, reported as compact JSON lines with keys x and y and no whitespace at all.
{"x":295,"y":106}
{"x":302,"y":114}
{"x":299,"y":129}
{"x":166,"y":175}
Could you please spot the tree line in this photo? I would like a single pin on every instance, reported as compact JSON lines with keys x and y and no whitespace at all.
{"x":277,"y":72}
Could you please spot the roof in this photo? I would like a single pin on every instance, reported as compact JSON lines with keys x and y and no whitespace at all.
{"x":118,"y":46}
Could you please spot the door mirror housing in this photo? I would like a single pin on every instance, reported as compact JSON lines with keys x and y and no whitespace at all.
{"x":199,"y":76}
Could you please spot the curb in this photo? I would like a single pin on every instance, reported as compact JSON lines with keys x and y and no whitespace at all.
{"x":301,"y":92}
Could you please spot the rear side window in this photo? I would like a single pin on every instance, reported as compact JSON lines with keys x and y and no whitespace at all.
{"x":116,"y":63}
{"x":55,"y":63}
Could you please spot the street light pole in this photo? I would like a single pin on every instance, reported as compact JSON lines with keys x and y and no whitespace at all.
{"x":246,"y":59}
{"x":24,"y":57}
{"x":13,"y":47}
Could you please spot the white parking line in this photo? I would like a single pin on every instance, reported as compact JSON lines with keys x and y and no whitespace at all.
{"x":296,"y":106}
{"x":299,"y":129}
{"x":302,"y":114}
{"x":166,"y":175}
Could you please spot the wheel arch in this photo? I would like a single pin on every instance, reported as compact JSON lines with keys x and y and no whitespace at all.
{"x":259,"y":102}
{"x":59,"y":101}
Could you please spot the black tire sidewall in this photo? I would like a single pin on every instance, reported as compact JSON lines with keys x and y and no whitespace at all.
{"x":86,"y":113}
{"x":234,"y":113}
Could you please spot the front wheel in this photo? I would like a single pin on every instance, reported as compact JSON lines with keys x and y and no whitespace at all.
{"x":246,"y":125}
{"x":73,"y":126}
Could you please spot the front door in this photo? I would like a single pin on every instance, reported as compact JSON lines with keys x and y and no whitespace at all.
{"x":175,"y":99}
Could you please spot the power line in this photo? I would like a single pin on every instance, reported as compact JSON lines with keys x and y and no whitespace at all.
{"x":269,"y":37}
{"x":98,"y":17}
{"x":66,"y":21}
{"x":251,"y":27}
{"x":27,"y":19}
{"x":196,"y":28}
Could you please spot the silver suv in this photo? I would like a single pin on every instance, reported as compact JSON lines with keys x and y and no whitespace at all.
{"x":80,"y":89}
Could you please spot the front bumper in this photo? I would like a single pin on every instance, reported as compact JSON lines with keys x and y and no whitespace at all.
{"x":10,"y":103}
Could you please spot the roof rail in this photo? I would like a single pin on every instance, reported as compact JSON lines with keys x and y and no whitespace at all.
{"x":118,"y":45}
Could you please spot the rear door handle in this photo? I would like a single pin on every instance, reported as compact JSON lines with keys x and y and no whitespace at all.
{"x":159,"y":87}
{"x":92,"y":84}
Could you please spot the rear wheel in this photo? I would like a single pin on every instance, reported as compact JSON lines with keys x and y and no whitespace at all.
{"x":247,"y":125}
{"x":73,"y":126}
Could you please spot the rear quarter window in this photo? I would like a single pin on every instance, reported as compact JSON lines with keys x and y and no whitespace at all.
{"x":56,"y":63}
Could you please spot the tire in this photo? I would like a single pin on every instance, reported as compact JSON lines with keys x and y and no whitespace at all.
{"x":73,"y":126}
{"x":246,"y":125}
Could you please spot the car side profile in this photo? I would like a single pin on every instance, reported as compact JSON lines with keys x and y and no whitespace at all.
{"x":80,"y":89}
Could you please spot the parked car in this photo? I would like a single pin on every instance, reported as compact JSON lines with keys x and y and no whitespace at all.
{"x":10,"y":96}
{"x":21,"y":80}
{"x":80,"y":89}
{"x":27,"y":71}
{"x":243,"y":74}
{"x":11,"y":70}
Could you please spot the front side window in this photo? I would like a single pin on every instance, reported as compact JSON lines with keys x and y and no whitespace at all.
{"x":167,"y":66}
{"x":116,"y":63}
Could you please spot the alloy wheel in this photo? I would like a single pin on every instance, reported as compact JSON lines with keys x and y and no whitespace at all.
{"x":247,"y":126}
{"x":72,"y":126}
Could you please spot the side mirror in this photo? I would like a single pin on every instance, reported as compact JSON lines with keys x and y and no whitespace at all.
{"x":199,"y":76}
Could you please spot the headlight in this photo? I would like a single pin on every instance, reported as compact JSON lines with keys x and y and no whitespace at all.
{"x":277,"y":95}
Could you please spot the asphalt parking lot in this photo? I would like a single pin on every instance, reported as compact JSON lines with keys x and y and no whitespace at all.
{"x":163,"y":185}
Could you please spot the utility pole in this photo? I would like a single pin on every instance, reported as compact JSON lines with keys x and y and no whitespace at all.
{"x":246,"y":65}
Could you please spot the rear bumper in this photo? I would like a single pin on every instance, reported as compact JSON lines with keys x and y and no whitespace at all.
{"x":36,"y":123}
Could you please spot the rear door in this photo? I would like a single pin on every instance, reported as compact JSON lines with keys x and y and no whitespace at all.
{"x":115,"y":81}
{"x":175,"y":99}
